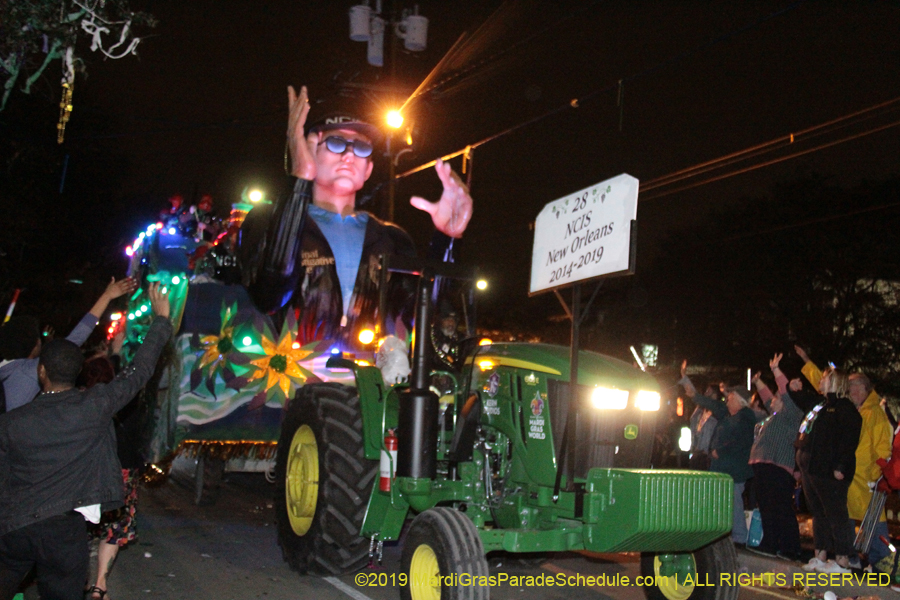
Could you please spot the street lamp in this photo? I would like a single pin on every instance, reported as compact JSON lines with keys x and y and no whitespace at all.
{"x":395,"y":119}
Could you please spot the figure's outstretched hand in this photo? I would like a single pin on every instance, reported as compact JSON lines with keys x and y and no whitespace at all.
{"x":801,"y":353}
{"x":452,"y":212}
{"x":683,"y":368}
{"x":756,"y":377}
{"x":302,"y":164}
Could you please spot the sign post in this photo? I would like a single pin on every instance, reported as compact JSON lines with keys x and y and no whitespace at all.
{"x":591,"y":234}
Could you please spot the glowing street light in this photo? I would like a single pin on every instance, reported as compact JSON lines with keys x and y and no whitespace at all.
{"x":481,"y":284}
{"x":255,"y":195}
{"x":394,"y":119}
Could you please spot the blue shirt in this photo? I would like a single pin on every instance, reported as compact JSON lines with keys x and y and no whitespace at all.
{"x":20,"y":378}
{"x":345,"y":235}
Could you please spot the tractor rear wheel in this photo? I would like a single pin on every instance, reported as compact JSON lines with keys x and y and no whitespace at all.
{"x":704,"y":567}
{"x":444,"y":543}
{"x":323,"y":481}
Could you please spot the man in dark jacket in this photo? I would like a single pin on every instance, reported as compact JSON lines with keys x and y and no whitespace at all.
{"x":729,"y":449}
{"x":58,"y":464}
{"x":325,"y":266}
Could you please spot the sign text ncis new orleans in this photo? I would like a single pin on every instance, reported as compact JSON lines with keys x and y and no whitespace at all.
{"x":583,"y":235}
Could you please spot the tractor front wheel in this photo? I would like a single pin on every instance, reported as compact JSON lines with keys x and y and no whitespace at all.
{"x":323,"y":481}
{"x":691,"y":575}
{"x":443,"y":558}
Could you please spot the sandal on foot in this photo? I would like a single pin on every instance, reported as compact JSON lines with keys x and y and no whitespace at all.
{"x":95,"y":593}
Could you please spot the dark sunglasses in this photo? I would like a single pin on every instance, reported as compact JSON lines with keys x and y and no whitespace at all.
{"x":339,"y":145}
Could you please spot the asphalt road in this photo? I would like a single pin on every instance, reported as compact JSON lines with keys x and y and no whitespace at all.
{"x":228,"y":551}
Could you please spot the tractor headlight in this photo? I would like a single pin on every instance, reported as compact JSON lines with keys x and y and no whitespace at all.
{"x":647,"y":400}
{"x":609,"y":398}
{"x":486,"y":364}
{"x":684,"y":441}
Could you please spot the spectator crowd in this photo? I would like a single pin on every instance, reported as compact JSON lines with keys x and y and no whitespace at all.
{"x":825,"y":432}
{"x":68,"y":454}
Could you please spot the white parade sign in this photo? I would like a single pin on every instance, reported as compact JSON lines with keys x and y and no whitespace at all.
{"x":583,"y":235}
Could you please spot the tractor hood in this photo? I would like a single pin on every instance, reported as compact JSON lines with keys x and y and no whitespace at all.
{"x":593,"y":369}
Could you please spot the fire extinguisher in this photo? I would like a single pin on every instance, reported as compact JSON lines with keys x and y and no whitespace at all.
{"x":388,"y":461}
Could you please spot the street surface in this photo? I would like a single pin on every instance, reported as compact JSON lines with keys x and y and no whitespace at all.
{"x":228,"y":551}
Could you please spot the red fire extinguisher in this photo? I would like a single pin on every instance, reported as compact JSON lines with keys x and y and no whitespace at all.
{"x":388,"y":461}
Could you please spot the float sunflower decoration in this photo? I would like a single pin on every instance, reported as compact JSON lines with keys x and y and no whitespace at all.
{"x":218,"y":353}
{"x":279,"y":372}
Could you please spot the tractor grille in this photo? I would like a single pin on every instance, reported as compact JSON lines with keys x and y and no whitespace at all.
{"x":600,"y":440}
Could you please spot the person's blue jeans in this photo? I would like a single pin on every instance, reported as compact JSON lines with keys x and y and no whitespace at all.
{"x":739,"y":522}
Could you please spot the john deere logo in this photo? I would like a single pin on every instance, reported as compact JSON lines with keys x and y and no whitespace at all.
{"x":537,"y":405}
{"x":493,"y":384}
{"x":531,"y":379}
{"x":631,"y":432}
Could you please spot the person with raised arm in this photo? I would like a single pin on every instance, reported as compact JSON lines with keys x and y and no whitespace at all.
{"x":730,"y":446}
{"x":772,"y":460}
{"x":58,"y":464}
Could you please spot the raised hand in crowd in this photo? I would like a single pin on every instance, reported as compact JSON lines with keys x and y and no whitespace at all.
{"x":159,"y":301}
{"x":112,"y":291}
{"x":773,"y":364}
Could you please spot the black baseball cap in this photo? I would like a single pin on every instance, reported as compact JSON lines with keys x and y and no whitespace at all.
{"x":340,"y":113}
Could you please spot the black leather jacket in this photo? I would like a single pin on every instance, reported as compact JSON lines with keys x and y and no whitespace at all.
{"x":288,"y":265}
{"x":58,"y":452}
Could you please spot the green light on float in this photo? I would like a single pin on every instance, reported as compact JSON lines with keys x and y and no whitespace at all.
{"x":247,"y":341}
{"x":176,"y":280}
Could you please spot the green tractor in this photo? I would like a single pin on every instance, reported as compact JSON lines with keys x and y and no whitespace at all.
{"x":505,"y":454}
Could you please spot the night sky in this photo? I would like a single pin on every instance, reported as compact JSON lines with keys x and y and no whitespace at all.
{"x":202,"y":108}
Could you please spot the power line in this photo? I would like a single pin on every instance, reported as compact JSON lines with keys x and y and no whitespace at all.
{"x":772,"y":145}
{"x":806,"y":223}
{"x":771,"y":162}
{"x":576,"y":102}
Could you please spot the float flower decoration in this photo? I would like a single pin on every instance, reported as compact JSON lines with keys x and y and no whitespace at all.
{"x":218,"y":353}
{"x":279,"y":371}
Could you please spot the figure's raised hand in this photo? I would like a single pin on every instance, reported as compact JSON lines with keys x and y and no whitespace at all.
{"x":302,"y":164}
{"x":801,"y":353}
{"x":756,"y":377}
{"x":452,"y":212}
{"x":683,"y":368}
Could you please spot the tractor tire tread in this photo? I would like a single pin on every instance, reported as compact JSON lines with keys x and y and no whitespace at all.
{"x":332,"y":546}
